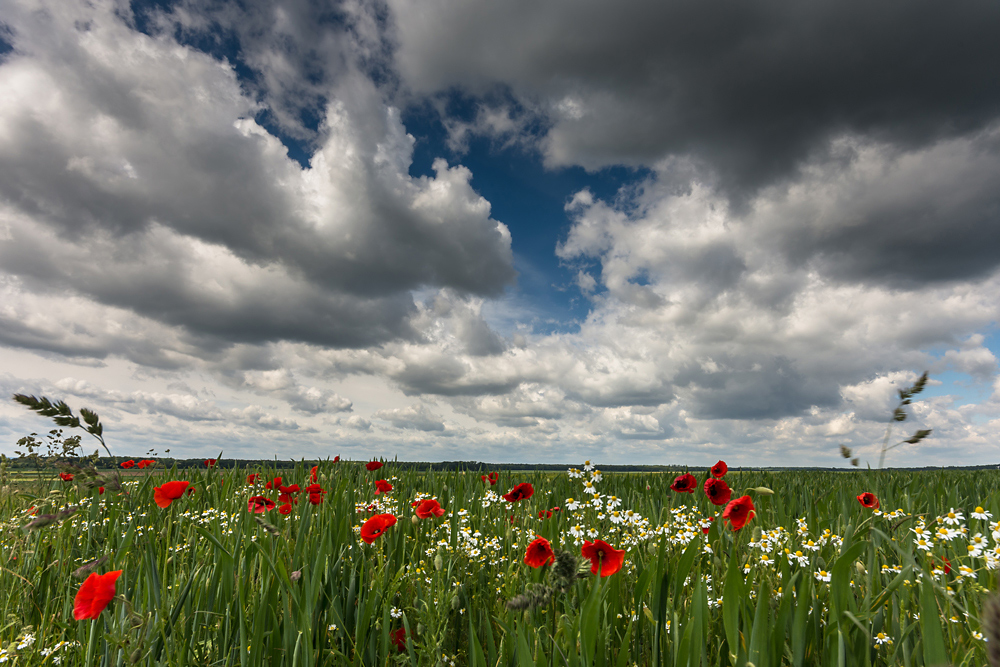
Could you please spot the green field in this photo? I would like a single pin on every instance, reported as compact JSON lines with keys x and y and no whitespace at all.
{"x":206,"y":582}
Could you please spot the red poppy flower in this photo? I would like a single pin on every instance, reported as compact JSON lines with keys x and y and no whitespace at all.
{"x":545,"y":514}
{"x":287,"y":498}
{"x":94,"y":595}
{"x":100,"y":490}
{"x":316,"y":498}
{"x":374,"y":465}
{"x":313,"y":472}
{"x":294,"y":488}
{"x":276,"y":484}
{"x":685,"y":483}
{"x":169,"y":492}
{"x":127,"y":464}
{"x":313,"y":488}
{"x":382,"y":486}
{"x":252,"y":478}
{"x":285,"y":509}
{"x":428,"y":507}
{"x":602,"y":555}
{"x":738,"y":512}
{"x":720,"y":469}
{"x":375,"y":526}
{"x":539,"y":553}
{"x":145,"y":463}
{"x":209,"y":463}
{"x":869,"y":500}
{"x":718,"y":491}
{"x":336,"y":458}
{"x":66,"y":477}
{"x":556,"y":509}
{"x":705,"y":530}
{"x":399,"y":639}
{"x":522,"y":491}
{"x":491,"y":478}
{"x":259,"y":504}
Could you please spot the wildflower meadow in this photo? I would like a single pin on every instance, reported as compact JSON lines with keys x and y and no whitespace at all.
{"x":374,"y":563}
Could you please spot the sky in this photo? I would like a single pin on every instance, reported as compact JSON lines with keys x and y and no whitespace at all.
{"x":632,"y":232}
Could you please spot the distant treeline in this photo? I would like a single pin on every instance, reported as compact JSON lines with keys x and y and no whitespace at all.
{"x":478,"y":467}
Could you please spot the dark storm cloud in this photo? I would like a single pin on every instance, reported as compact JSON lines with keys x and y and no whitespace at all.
{"x":747,"y":89}
{"x":132,"y":174}
{"x":758,"y":388}
{"x":892,"y":216}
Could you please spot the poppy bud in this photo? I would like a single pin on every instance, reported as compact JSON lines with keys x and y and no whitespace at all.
{"x":438,"y":562}
{"x":859,"y":566}
{"x":296,"y":575}
{"x":756,"y":534}
{"x":420,"y":628}
{"x":764,"y":491}
{"x":455,"y":603}
{"x":414,"y":520}
{"x":444,"y":488}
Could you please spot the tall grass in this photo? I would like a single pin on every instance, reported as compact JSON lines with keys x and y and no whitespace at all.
{"x":205,"y":582}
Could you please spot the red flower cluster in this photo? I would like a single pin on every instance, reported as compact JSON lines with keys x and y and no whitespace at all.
{"x":539,"y":553}
{"x":169,"y":492}
{"x":399,"y":639}
{"x":94,"y":595}
{"x":316,"y":493}
{"x":685,"y":483}
{"x":718,"y":491}
{"x":491,"y":478}
{"x":382,"y":486}
{"x":738,"y":512}
{"x":372,"y":466}
{"x":869,"y":500}
{"x":259,"y":504}
{"x":312,"y":474}
{"x":287,"y":494}
{"x":375,"y":526}
{"x":522,"y":491}
{"x":428,"y":507}
{"x":604,"y":559}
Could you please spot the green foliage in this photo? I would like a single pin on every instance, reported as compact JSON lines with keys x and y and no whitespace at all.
{"x":205,"y":582}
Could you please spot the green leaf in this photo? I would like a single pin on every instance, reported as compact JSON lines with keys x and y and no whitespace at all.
{"x":930,"y":627}
{"x":732,"y":599}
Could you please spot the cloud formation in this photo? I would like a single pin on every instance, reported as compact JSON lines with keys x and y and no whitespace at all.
{"x":215,"y":206}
